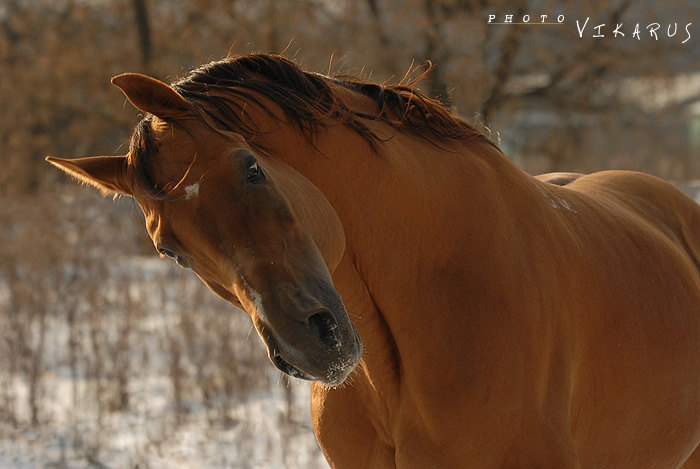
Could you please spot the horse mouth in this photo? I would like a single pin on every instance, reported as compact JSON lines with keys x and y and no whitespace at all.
{"x":333,"y":373}
{"x":286,"y":367}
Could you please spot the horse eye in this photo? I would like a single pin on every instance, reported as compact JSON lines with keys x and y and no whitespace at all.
{"x":254,"y":172}
{"x":174,"y":256}
{"x":167,"y":253}
{"x":181,"y":261}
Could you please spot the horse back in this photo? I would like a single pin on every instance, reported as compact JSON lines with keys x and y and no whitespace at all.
{"x":558,"y":179}
{"x":658,"y":204}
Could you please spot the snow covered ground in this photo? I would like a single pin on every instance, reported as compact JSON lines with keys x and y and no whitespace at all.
{"x":182,"y":403}
{"x":257,"y":437}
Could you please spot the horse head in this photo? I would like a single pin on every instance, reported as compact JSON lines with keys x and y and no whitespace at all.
{"x":253,"y":229}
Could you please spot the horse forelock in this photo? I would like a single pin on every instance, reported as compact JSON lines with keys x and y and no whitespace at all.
{"x":219,"y":92}
{"x":141,"y":149}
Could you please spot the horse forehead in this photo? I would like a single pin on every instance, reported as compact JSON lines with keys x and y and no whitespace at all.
{"x":183,"y":138}
{"x":172,"y":138}
{"x":180,"y":159}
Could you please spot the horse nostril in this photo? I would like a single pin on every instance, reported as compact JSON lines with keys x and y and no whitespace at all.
{"x":324,"y":325}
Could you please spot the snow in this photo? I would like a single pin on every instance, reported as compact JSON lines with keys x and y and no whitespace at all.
{"x":261,"y":425}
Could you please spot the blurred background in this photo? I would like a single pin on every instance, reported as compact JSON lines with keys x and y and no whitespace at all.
{"x":111,"y":357}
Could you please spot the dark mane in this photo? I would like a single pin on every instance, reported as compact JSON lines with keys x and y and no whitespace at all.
{"x":307,"y":100}
{"x":141,"y":147}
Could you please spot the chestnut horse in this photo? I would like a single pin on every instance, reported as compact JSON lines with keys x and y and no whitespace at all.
{"x":505,"y":321}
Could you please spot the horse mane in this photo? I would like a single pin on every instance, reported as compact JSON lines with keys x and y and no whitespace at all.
{"x":218,"y":93}
{"x":308,"y":100}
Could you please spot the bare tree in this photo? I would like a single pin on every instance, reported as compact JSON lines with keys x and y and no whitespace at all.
{"x":143,"y":27}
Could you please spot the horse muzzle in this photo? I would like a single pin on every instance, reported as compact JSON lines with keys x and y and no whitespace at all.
{"x":326,"y":347}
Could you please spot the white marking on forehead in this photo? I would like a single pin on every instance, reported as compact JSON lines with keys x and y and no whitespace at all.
{"x":191,"y":191}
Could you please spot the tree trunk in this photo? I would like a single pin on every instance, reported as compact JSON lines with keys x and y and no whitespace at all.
{"x":144,"y":30}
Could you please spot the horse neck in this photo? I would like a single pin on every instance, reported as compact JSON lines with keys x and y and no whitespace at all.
{"x":412,"y":213}
{"x":413,"y":202}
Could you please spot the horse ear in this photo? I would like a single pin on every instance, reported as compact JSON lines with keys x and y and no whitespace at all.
{"x":107,"y":173}
{"x":151,"y":95}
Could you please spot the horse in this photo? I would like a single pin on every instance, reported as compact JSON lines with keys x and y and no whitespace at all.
{"x":559,"y":179}
{"x":449,"y":309}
